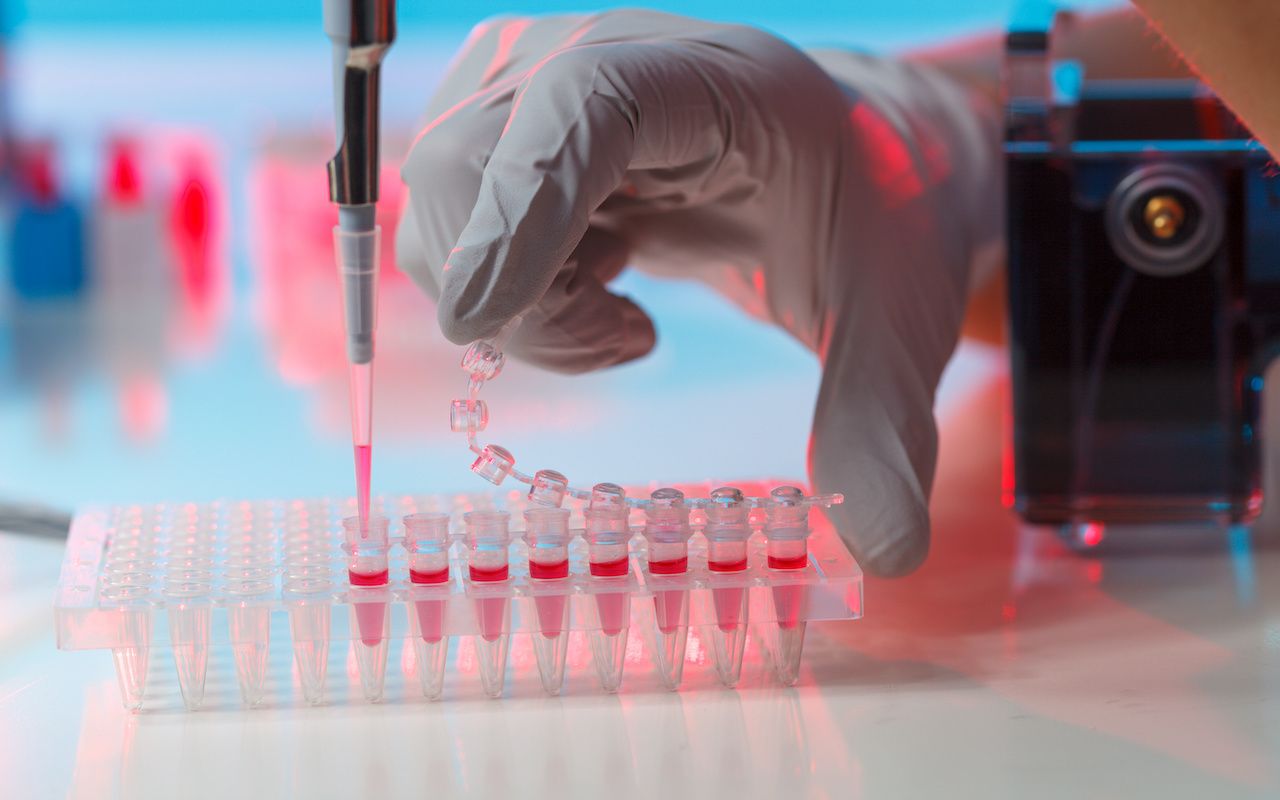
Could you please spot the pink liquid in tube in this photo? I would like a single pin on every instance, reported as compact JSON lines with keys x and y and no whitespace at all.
{"x":789,"y":601}
{"x":674,"y":566}
{"x":726,"y":566}
{"x":542,"y":571}
{"x":550,"y":613}
{"x":434,"y":576}
{"x":431,"y":620}
{"x":669,"y":605}
{"x":550,"y":606}
{"x":611,"y":569}
{"x":489,"y":574}
{"x":793,"y":562}
{"x":430,"y":612}
{"x":491,"y":610}
{"x":728,"y":600}
{"x":369,"y":578}
{"x":370,"y":616}
{"x":612,"y":606}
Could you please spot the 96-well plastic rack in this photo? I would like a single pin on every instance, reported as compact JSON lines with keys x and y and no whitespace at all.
{"x":478,"y":570}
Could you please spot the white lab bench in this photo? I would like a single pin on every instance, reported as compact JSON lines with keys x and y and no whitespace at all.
{"x":1007,"y":666}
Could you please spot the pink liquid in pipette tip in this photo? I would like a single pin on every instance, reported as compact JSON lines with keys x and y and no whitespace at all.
{"x":361,"y":382}
{"x":364,"y":463}
{"x":491,"y":609}
{"x":550,"y":606}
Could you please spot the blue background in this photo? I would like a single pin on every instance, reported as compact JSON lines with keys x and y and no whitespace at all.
{"x":722,"y":396}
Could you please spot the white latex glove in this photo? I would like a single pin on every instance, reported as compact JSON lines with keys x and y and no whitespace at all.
{"x":844,"y":197}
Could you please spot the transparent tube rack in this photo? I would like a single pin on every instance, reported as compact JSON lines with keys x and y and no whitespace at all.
{"x":190,"y":579}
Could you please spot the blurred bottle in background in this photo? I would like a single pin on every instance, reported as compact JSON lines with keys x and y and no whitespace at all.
{"x":46,"y":243}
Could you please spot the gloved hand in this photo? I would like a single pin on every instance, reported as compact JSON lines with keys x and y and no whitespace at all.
{"x":843,"y":196}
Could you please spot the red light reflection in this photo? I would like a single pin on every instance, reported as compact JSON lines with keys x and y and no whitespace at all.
{"x":892,"y":166}
{"x":955,"y":610}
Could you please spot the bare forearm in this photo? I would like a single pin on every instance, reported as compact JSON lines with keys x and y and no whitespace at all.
{"x":1231,"y":43}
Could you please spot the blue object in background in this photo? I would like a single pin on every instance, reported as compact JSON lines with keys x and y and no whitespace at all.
{"x":46,"y":243}
{"x":46,"y":250}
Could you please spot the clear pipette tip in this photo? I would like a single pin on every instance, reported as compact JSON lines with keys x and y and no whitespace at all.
{"x":357,"y":251}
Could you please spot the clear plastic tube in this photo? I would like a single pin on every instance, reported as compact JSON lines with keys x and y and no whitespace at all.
{"x":727,"y":531}
{"x":547,"y":535}
{"x":482,"y":362}
{"x":487,"y":536}
{"x":426,"y":541}
{"x":367,"y":569}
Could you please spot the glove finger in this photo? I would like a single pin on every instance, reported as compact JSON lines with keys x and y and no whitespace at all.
{"x":579,"y":325}
{"x":467,"y":115}
{"x":875,"y":440}
{"x":580,"y":120}
{"x":442,"y":173}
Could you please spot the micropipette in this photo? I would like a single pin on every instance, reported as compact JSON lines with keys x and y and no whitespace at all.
{"x":361,"y":31}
